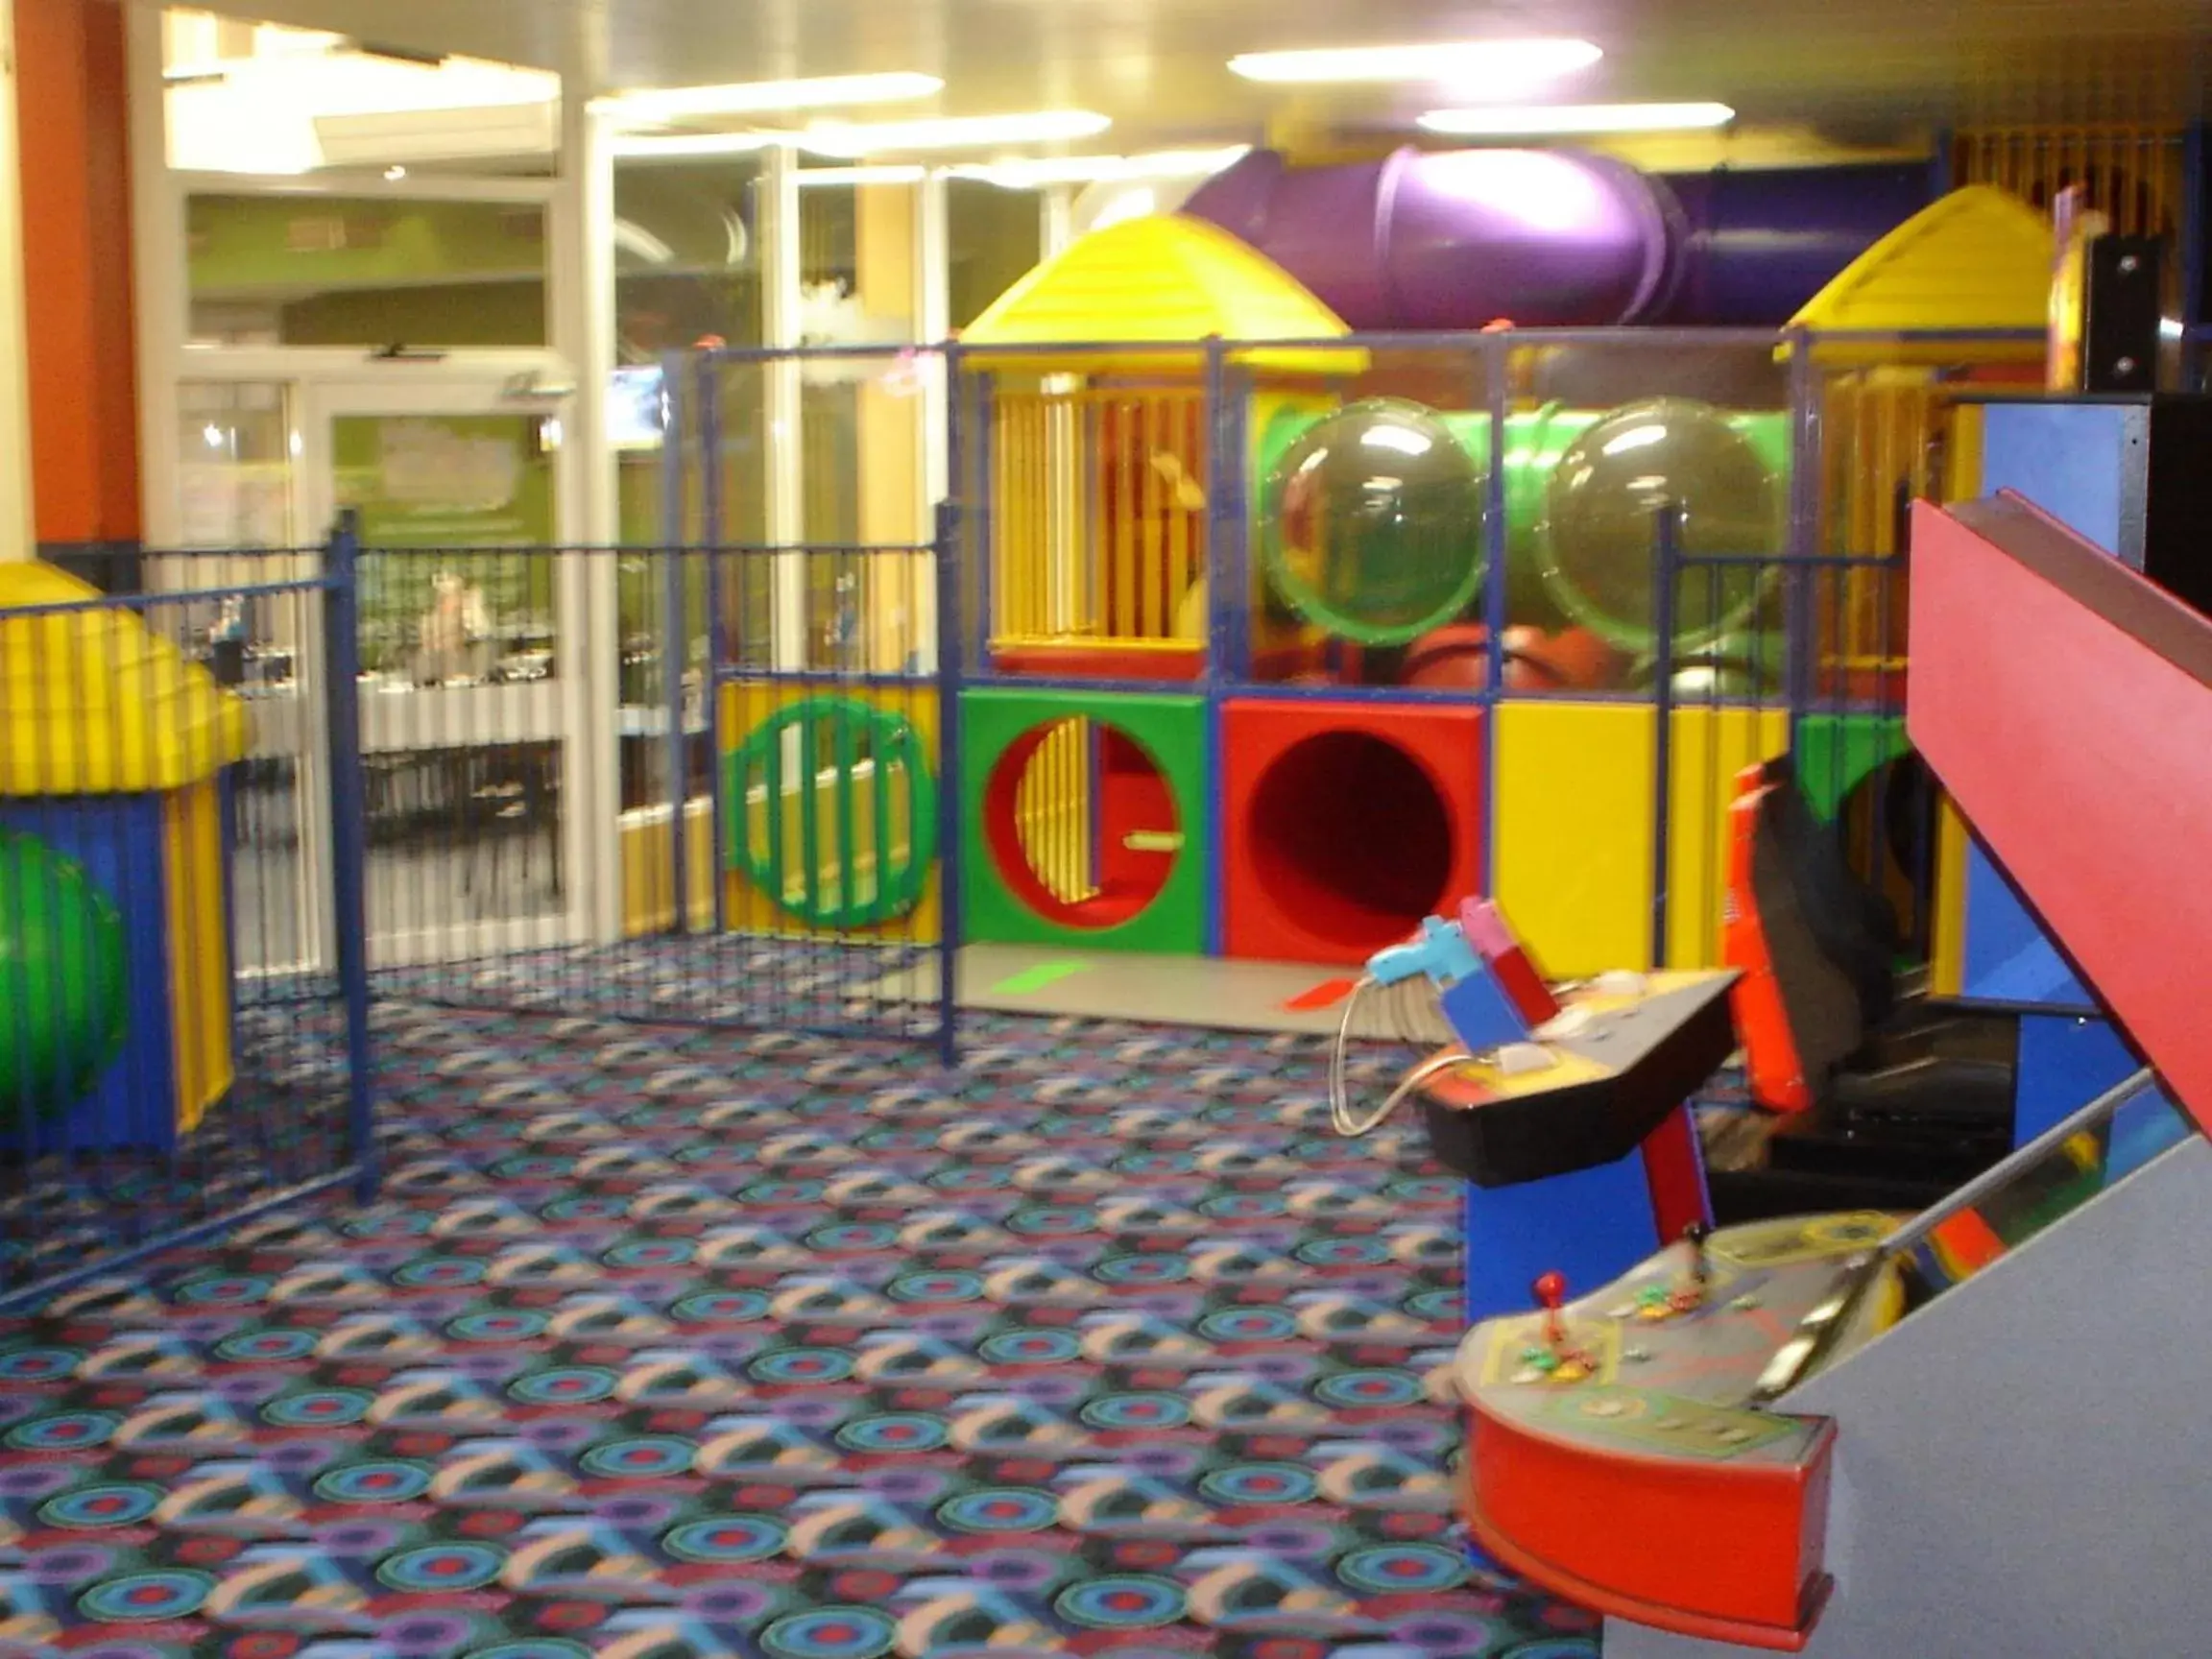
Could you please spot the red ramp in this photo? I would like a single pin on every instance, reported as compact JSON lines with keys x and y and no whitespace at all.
{"x":2066,"y":703}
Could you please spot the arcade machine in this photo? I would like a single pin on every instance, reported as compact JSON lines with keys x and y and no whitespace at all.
{"x":1565,"y":1112}
{"x":1975,"y":1431}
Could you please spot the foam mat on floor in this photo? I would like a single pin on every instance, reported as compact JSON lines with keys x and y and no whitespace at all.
{"x":1210,"y":992}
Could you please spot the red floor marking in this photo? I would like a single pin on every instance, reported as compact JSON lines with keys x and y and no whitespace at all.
{"x":1326,"y":995}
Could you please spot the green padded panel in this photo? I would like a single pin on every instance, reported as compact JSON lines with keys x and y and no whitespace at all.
{"x":1834,"y":754}
{"x":1171,"y":730}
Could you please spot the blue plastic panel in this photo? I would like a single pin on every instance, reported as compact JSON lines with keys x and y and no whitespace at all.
{"x":118,"y":839}
{"x":2069,"y":459}
{"x":2008,"y":957}
{"x":2065,"y":1063}
{"x":1590,"y":1226}
{"x":2073,"y":460}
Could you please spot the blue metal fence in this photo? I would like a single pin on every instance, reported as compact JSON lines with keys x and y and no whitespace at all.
{"x":163,"y":1073}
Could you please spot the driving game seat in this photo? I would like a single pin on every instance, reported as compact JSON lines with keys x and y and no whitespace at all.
{"x":1873,"y":1085}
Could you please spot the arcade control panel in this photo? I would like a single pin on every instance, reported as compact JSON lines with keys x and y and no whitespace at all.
{"x":1613,"y":1440}
{"x":1590,"y":1084}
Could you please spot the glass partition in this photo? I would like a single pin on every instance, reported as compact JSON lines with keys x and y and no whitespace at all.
{"x":235,"y":460}
{"x":367,"y":270}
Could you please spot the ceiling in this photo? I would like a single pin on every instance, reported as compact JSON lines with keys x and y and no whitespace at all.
{"x":1857,"y":68}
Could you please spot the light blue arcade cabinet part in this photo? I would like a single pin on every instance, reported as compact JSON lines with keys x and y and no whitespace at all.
{"x":1480,"y":1013}
{"x":1441,"y":952}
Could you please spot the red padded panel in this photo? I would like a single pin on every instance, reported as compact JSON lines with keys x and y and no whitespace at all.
{"x":1344,"y":824}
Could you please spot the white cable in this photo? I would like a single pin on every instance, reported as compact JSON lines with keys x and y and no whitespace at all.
{"x":1341,"y":1115}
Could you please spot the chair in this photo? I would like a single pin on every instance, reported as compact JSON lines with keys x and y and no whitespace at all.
{"x":1887,"y":1095}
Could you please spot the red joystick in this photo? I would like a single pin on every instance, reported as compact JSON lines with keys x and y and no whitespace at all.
{"x":1551,"y":1290}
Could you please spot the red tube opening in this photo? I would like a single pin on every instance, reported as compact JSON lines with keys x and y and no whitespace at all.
{"x":1351,"y":839}
{"x":1082,"y":824}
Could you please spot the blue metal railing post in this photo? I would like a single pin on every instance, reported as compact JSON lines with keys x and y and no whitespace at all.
{"x":1228,"y":525}
{"x":1666,"y":570}
{"x":1801,"y":545}
{"x":1229,"y":620}
{"x":350,"y":837}
{"x":958,"y":488}
{"x":673,"y":524}
{"x":979,"y":448}
{"x":951,"y":794}
{"x":1497,"y":360}
{"x":708,"y":400}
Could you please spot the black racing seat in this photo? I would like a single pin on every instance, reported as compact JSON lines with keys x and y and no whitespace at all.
{"x":1883,"y":1092}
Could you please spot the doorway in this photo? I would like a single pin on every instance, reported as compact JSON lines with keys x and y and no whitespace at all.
{"x":475,"y":679}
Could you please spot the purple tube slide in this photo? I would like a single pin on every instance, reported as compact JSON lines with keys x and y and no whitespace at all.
{"x":1548,"y":238}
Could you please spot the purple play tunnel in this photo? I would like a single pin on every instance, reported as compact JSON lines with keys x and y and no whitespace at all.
{"x":1555,"y":238}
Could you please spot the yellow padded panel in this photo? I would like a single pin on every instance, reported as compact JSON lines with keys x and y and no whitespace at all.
{"x":1571,"y":859}
{"x":746,"y":705}
{"x":199,"y":949}
{"x":1707,"y":749}
{"x":1947,"y":949}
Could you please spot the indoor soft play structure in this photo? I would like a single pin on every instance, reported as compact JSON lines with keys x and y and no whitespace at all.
{"x":115,"y":972}
{"x":1275,"y":560}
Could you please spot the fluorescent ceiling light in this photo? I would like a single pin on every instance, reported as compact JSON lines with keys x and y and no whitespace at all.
{"x":1032,"y":172}
{"x":767,"y":97}
{"x":1472,"y":62}
{"x":1530,"y":120}
{"x":684,"y":146}
{"x":813,"y":178}
{"x":951,"y":133}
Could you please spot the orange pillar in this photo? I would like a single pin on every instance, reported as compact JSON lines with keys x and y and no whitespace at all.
{"x":73,"y":149}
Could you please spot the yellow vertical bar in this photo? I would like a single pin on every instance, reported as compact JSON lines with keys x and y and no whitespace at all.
{"x":1188,"y":445}
{"x":1037,"y":466}
{"x":1153,"y":549}
{"x":1026,"y":811}
{"x":1041,"y":798}
{"x":1144,"y":474}
{"x":1075,"y":809}
{"x":1003,"y":528}
{"x":1009,"y":523}
{"x":1020,"y":520}
{"x":1066,"y":481}
{"x":1052,"y":804}
{"x":1011,"y":508}
{"x":1098,"y":484}
{"x":1124,"y":529}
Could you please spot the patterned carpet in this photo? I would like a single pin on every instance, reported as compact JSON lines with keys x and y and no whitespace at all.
{"x":684,"y":1343}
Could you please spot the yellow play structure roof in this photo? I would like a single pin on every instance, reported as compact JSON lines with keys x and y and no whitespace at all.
{"x":94,"y":702}
{"x":1162,"y":279}
{"x":1981,"y":259}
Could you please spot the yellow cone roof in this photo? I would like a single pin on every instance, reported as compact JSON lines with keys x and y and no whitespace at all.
{"x":94,"y":702}
{"x":1165,"y":279}
{"x":1981,"y":259}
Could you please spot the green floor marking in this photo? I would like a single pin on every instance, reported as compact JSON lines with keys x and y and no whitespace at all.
{"x":1036,"y":978}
